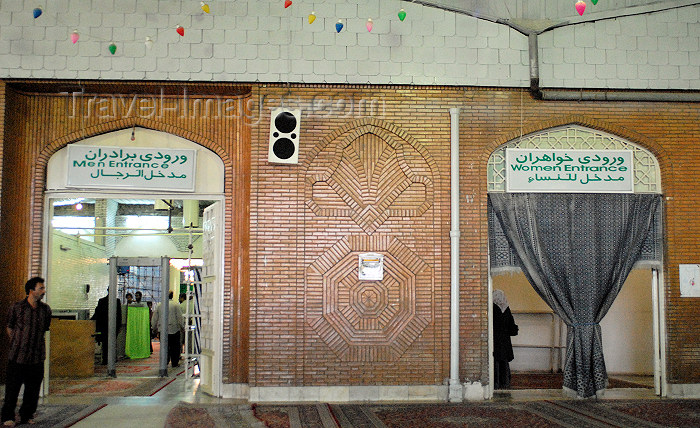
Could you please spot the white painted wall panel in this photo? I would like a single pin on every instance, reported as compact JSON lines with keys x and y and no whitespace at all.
{"x":261,"y":41}
{"x":651,"y":51}
{"x":254,"y":41}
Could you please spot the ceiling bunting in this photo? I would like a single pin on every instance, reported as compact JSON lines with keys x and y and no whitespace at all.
{"x":402,"y":15}
{"x":205,"y":7}
{"x":37,"y":12}
{"x":74,"y":36}
{"x":180,"y":30}
{"x":312,"y":17}
{"x":148,"y":43}
{"x":112,"y":48}
{"x":370,"y":24}
{"x":580,"y":7}
{"x":287,"y":3}
{"x":339,"y":26}
{"x":595,"y":2}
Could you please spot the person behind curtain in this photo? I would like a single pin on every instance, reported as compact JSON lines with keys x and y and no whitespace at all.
{"x":27,"y":322}
{"x":101,"y":317}
{"x":174,"y":327}
{"x":503,"y":328}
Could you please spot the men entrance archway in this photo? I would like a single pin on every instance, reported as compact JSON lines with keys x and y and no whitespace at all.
{"x":114,"y":182}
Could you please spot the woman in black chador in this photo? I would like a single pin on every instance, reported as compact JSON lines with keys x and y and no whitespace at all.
{"x":503,"y":328}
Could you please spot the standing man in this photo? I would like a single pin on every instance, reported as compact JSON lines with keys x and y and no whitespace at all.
{"x":101,"y":317}
{"x":174,"y":327}
{"x":28,"y":320}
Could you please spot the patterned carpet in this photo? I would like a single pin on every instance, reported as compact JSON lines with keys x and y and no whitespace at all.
{"x":59,"y":416}
{"x":139,"y":367}
{"x":135,"y":378}
{"x":212,"y":416}
{"x":109,"y":387}
{"x":533,"y":414}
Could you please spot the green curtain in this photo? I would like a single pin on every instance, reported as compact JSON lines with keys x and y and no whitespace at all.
{"x":138,"y":333}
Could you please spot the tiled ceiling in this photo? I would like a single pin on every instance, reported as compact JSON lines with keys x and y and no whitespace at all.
{"x":538,"y":15}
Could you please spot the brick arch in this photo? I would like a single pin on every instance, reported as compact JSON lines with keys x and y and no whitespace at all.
{"x":369,"y":217}
{"x":600,"y":125}
{"x":117,"y":125}
{"x":39,"y":169}
{"x":366,"y":124}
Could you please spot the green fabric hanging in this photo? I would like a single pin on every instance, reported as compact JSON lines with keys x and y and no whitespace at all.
{"x":138,"y":333}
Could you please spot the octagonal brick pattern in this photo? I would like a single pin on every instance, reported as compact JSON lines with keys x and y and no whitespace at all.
{"x":369,"y":320}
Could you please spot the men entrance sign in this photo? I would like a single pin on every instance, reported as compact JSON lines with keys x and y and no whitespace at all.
{"x":569,"y":171}
{"x":132,"y":167}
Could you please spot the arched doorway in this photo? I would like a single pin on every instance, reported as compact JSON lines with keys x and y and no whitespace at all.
{"x":565,"y":160}
{"x":106,"y":203}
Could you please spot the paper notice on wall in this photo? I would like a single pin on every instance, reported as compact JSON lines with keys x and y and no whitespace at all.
{"x":690,"y":280}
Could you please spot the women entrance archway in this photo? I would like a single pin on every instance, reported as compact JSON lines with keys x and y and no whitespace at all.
{"x":575,"y":241}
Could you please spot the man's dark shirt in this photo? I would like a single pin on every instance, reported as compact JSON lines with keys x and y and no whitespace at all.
{"x":27,"y":345}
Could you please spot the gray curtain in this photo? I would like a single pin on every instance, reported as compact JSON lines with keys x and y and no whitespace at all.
{"x":577,"y":250}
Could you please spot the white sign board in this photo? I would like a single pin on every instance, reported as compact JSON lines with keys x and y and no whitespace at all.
{"x":569,"y":171}
{"x":131,"y":167}
{"x":371,"y":267}
{"x":690,"y":280}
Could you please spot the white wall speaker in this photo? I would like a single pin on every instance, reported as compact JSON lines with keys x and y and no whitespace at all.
{"x":284,"y":136}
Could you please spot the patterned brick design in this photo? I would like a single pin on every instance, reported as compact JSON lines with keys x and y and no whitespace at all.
{"x":284,"y":239}
{"x":369,"y":321}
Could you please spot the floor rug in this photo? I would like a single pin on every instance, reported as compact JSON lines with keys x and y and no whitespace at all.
{"x":212,"y":416}
{"x":295,"y":416}
{"x":638,"y":413}
{"x":445,"y":416}
{"x":556,"y":381}
{"x":59,"y":416}
{"x":139,"y":367}
{"x":109,"y":387}
{"x":532,"y":414}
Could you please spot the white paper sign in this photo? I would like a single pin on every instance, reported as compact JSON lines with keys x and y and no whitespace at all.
{"x":371,"y":267}
{"x":132,"y":167}
{"x":690,"y":280}
{"x":569,"y":171}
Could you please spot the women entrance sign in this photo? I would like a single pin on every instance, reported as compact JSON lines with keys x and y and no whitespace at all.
{"x":132,"y":167}
{"x":569,"y":171}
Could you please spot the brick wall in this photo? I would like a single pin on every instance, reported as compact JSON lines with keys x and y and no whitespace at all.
{"x":289,"y":237}
{"x":309,"y":221}
{"x":39,"y":122}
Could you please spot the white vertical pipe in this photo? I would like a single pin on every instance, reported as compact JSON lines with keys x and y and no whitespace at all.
{"x":657,"y":342}
{"x":661,"y":308}
{"x":455,"y":386}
